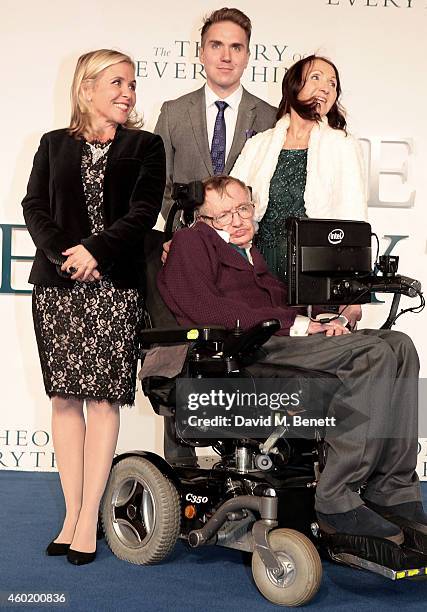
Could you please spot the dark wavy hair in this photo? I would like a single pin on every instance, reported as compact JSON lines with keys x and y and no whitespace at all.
{"x":294,"y":80}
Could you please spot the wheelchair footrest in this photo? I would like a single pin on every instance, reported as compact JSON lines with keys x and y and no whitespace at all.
{"x":376,"y":555}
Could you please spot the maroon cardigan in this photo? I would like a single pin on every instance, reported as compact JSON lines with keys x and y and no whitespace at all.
{"x":206,"y":281}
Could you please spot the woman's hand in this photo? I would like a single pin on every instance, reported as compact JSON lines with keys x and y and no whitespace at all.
{"x":353,"y":314}
{"x":166,"y":249}
{"x":81,"y":263}
{"x":333,"y":328}
{"x":95,"y":276}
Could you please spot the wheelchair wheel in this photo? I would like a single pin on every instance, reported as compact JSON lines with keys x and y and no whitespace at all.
{"x":140,"y":512}
{"x":302,"y":565}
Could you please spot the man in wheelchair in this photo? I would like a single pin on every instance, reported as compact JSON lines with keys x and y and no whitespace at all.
{"x":213,"y":276}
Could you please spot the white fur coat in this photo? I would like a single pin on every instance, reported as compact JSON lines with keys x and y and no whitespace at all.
{"x":335,"y":187}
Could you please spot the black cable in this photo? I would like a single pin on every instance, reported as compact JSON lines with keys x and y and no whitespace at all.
{"x":378,"y":249}
{"x":334,"y":318}
{"x":414,"y":309}
{"x":359,"y":278}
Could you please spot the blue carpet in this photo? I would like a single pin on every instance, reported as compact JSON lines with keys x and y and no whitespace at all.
{"x":210,"y":579}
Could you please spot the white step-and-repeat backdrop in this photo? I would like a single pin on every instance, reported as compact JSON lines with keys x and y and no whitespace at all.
{"x":379,"y":47}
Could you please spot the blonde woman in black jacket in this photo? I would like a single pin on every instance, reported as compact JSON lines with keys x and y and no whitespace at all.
{"x":94,"y":189}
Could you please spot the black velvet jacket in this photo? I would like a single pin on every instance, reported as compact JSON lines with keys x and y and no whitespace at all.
{"x":56,"y":214}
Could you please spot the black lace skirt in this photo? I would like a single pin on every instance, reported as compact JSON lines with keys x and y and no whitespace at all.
{"x":87,"y":340}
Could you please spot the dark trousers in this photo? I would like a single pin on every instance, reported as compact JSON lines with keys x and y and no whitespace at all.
{"x":378,"y":374}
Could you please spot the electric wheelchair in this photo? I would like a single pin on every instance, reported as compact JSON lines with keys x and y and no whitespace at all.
{"x":255,"y":495}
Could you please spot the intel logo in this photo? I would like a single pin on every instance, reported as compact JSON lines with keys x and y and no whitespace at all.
{"x":336,"y":236}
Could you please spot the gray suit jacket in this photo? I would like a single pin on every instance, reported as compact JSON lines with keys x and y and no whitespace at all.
{"x":182,"y":125}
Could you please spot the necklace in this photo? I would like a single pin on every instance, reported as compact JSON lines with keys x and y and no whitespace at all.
{"x":98,"y":151}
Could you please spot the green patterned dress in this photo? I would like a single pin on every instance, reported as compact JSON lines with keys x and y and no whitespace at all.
{"x":286,"y":199}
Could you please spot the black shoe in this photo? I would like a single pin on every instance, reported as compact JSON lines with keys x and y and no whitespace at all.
{"x":57,"y":549}
{"x":412,"y":519}
{"x":412,"y":512}
{"x":76,"y":557}
{"x":361,"y":521}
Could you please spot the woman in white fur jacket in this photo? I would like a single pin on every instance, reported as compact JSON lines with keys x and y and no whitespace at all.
{"x":307,"y":165}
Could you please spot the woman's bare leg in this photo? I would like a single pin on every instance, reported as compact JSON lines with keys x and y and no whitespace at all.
{"x":102,"y":428}
{"x":68,"y":434}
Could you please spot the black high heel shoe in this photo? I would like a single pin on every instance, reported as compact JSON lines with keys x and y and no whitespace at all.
{"x":76,"y":557}
{"x":57,"y":549}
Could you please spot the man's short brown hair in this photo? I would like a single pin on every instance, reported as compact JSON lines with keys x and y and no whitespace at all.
{"x":227,"y":14}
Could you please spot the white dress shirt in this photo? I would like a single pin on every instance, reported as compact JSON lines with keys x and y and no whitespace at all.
{"x":230,"y":115}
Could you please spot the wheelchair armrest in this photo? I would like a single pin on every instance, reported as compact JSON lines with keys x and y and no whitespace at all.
{"x":213,"y":333}
{"x":250,"y":340}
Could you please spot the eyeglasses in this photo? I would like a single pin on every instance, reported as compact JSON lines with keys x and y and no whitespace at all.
{"x":245,"y":211}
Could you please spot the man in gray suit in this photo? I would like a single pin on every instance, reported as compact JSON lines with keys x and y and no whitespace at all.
{"x":205,"y":130}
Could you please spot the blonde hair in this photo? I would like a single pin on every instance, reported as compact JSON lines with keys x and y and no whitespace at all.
{"x":88,"y":68}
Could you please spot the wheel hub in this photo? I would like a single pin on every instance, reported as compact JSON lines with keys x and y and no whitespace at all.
{"x":289,"y":574}
{"x":133,"y":512}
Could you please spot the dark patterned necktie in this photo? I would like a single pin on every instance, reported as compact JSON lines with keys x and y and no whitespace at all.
{"x":218,"y":139}
{"x":240,"y":250}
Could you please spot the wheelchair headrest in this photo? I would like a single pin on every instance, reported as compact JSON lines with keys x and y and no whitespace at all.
{"x":188,"y":195}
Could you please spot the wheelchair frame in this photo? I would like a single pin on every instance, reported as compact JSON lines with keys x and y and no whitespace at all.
{"x":239,"y":500}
